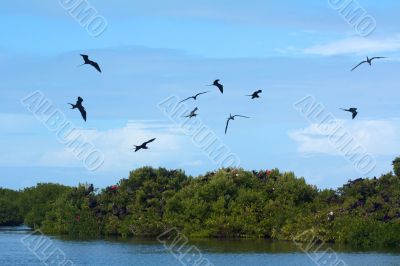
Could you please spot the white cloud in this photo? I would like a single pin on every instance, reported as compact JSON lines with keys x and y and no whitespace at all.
{"x":356,"y":45}
{"x":171,"y":146}
{"x":378,"y":137}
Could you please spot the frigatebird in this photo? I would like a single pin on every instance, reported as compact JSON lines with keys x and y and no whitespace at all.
{"x":255,"y":94}
{"x":90,"y":62}
{"x":192,"y":113}
{"x":218,"y":85}
{"x":369,"y":61}
{"x":194,"y":97}
{"x":80,"y":107}
{"x":143,"y":145}
{"x":351,"y":110}
{"x":232,"y":117}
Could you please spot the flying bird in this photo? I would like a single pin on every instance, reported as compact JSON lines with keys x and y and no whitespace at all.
{"x":255,"y":94}
{"x":351,"y":110}
{"x":90,"y":62}
{"x":218,"y":85}
{"x":80,"y":107}
{"x":232,"y":117}
{"x":194,"y":97}
{"x":369,"y":61}
{"x":192,"y":113}
{"x":143,"y":145}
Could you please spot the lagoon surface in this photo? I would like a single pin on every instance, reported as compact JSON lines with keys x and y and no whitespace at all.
{"x":20,"y":247}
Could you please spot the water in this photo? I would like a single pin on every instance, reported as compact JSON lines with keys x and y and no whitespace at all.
{"x":15,"y":243}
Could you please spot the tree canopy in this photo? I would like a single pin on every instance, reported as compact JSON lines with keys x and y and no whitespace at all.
{"x":229,"y":203}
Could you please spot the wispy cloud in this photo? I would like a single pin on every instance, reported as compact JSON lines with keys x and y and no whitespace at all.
{"x":42,"y":150}
{"x":116,"y":144}
{"x":356,"y":45}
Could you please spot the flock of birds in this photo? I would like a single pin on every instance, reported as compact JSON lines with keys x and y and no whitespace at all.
{"x":255,"y":95}
{"x":217,"y":84}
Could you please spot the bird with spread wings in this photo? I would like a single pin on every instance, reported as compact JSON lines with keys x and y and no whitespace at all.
{"x":143,"y":145}
{"x":351,"y":110}
{"x":218,"y":85}
{"x":232,"y":117}
{"x":87,"y":61}
{"x":368,"y":60}
{"x":80,"y":107}
{"x":194,"y":97}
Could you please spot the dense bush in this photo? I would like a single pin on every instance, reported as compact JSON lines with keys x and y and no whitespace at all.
{"x":230,"y":203}
{"x":10,"y":214}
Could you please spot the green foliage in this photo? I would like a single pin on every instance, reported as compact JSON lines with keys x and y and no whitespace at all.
{"x":10,"y":213}
{"x":36,"y":201}
{"x":396,"y":166}
{"x":230,"y":203}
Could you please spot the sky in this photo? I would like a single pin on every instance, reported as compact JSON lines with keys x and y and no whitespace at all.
{"x":152,"y":50}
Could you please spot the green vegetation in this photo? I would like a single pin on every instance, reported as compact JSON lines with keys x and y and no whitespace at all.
{"x":230,"y":203}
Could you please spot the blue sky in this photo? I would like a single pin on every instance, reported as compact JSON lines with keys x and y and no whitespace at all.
{"x":154,"y":49}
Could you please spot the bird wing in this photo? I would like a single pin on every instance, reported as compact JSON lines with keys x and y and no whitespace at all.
{"x":186,"y":99}
{"x":378,"y":57}
{"x":95,"y":65}
{"x":227,"y":124}
{"x":359,"y":65}
{"x":354,"y":114}
{"x":201,"y":93}
{"x":85,"y":57}
{"x":83,"y":112}
{"x":147,"y":142}
{"x":221,"y":88}
{"x":241,"y":116}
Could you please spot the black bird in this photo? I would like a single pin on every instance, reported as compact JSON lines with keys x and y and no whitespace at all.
{"x":90,"y":62}
{"x":192,"y":113}
{"x":369,"y":61}
{"x":351,"y":110}
{"x":80,"y":107}
{"x":232,"y":117}
{"x":218,"y":85}
{"x":255,"y":94}
{"x":194,"y":97}
{"x":143,"y":145}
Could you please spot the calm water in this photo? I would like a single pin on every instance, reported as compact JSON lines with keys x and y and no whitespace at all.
{"x":16,"y":242}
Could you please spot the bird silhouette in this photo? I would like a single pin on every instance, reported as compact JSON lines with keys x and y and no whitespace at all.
{"x":218,"y":85}
{"x":90,"y":62}
{"x":232,"y":117}
{"x":143,"y":145}
{"x":255,"y":94}
{"x":194,"y":97}
{"x":80,"y":107}
{"x":351,"y":110}
{"x":369,"y":61}
{"x":192,"y":113}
